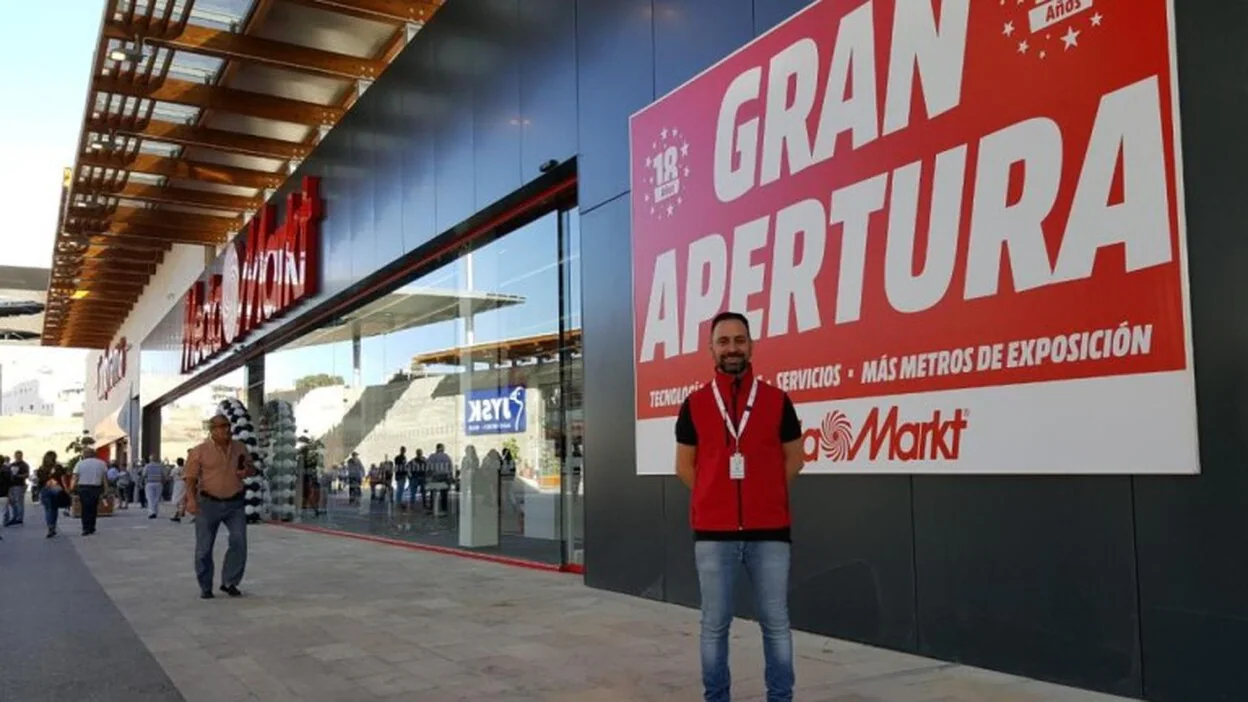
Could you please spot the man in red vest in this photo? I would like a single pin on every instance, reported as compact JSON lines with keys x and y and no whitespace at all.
{"x":739,"y":444}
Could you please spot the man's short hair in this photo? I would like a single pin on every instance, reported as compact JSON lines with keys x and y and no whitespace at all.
{"x":731,"y":317}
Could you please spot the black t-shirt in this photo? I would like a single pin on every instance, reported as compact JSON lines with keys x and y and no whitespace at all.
{"x":21,"y":471}
{"x":400,"y":465}
{"x":790,"y":425}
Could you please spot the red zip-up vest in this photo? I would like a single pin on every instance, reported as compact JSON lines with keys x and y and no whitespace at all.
{"x":760,"y":502}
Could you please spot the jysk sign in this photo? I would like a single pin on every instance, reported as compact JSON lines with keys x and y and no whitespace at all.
{"x":110,"y":369}
{"x":276,"y":268}
{"x":956,"y":229}
{"x":495,"y":411}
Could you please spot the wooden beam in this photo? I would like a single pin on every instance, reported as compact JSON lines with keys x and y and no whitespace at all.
{"x":178,"y":196}
{"x":379,"y":10}
{"x":101,"y":271}
{"x":228,"y":45}
{"x":114,"y":242}
{"x":142,"y":236}
{"x":240,"y":102}
{"x":187,"y":135}
{"x":101,"y":279}
{"x":187,"y":170}
{"x":184,"y":222}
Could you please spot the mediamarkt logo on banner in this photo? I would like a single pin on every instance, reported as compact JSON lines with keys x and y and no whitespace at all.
{"x":278,"y":267}
{"x":956,"y":229}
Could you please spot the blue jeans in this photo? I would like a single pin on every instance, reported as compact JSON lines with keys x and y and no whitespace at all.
{"x":767,"y":565}
{"x":17,"y":505}
{"x":50,"y":513}
{"x":400,"y":485}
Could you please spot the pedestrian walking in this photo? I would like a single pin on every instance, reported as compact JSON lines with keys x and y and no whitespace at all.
{"x":20,"y":471}
{"x":215,"y":470}
{"x":738,"y":445}
{"x":90,"y":476}
{"x":179,"y":489}
{"x":6,"y":482}
{"x":153,"y":486}
{"x":53,"y":482}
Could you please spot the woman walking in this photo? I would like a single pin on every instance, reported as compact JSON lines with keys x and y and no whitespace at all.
{"x":53,"y":491}
{"x":179,"y":490}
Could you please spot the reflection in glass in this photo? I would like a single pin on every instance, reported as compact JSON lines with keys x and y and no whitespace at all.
{"x":448,"y":410}
{"x":182,"y":422}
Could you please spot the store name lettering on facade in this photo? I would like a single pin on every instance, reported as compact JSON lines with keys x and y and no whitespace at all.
{"x":276,"y":268}
{"x":110,"y":369}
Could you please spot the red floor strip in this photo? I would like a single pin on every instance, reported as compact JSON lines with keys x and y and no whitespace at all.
{"x":489,"y":558}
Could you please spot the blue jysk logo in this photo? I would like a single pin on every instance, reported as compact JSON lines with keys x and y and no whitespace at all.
{"x":495,"y":411}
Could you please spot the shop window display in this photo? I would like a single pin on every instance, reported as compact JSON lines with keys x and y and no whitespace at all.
{"x":446,"y":411}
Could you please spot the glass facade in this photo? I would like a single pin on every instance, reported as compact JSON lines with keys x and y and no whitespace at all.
{"x":447,"y":411}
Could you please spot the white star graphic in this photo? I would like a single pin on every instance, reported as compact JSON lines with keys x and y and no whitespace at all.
{"x":1096,"y":19}
{"x":684,"y":149}
{"x":1071,"y":38}
{"x":651,"y":210}
{"x":1009,"y":29}
{"x":654,"y":144}
{"x":686,"y":171}
{"x":1043,"y":53}
{"x":647,"y":198}
{"x":675,"y":132}
{"x":680,"y":200}
{"x":648,"y":162}
{"x":670,"y":210}
{"x":1022,"y":46}
{"x":663,"y":133}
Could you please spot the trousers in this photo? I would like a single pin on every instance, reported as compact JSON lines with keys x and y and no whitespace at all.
{"x":212,"y":514}
{"x":766,"y":564}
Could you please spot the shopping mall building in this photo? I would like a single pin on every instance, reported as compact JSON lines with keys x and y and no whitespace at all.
{"x":511,"y":243}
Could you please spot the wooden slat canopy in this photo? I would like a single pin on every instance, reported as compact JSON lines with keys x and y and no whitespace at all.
{"x":195,"y":115}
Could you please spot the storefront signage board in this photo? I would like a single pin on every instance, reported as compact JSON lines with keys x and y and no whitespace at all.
{"x":277,"y":267}
{"x":495,"y":411}
{"x":956,"y":228}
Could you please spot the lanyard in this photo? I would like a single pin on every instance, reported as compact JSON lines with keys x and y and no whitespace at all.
{"x":736,"y":431}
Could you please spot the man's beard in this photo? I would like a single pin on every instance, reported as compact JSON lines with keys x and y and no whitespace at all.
{"x":732,"y":364}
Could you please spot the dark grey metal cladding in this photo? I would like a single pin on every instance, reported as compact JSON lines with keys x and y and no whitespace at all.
{"x":626,"y":518}
{"x":615,"y":77}
{"x":1191,"y":531}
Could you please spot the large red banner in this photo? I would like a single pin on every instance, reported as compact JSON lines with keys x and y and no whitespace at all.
{"x":956,"y":229}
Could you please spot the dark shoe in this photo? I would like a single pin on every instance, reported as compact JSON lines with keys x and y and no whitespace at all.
{"x":231,"y":590}
{"x":176,"y":519}
{"x":206,"y":595}
{"x":51,"y":533}
{"x":151,"y":516}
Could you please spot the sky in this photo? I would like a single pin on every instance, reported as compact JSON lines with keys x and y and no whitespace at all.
{"x":47,"y":50}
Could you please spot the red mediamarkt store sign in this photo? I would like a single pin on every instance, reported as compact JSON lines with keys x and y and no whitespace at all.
{"x":276,"y":268}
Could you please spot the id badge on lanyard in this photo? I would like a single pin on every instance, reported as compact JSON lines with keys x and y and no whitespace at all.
{"x":736,"y":462}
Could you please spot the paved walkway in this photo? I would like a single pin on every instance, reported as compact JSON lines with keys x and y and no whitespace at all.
{"x":340,"y":620}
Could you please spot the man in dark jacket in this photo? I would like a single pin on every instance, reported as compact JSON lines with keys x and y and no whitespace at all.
{"x":738,"y":445}
{"x":20,"y":473}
